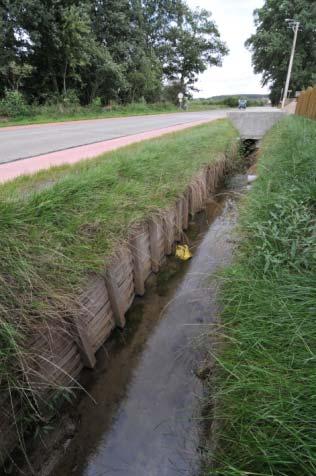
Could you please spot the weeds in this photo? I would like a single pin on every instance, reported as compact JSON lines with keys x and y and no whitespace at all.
{"x":266,"y":380}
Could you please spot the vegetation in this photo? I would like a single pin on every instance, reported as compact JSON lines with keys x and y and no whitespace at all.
{"x":255,"y":97}
{"x":84,"y":51}
{"x":61,"y":224}
{"x":31,"y":114}
{"x":266,"y":381}
{"x":17,"y":112}
{"x":253,"y":100}
{"x":272,"y":42}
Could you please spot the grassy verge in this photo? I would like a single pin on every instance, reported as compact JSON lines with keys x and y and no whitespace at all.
{"x":47,"y":114}
{"x":266,"y":383}
{"x":63,"y":223}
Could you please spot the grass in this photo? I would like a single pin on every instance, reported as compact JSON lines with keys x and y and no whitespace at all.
{"x":62,"y":224}
{"x":47,"y":114}
{"x":266,"y":380}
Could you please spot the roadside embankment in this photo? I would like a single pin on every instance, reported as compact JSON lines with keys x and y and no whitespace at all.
{"x":77,"y":244}
{"x":264,"y":417}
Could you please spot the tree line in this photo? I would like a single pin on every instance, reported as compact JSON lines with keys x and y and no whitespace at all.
{"x":106,"y":50}
{"x":271,"y":44}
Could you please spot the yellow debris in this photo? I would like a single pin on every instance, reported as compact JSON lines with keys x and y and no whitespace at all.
{"x":183,"y":252}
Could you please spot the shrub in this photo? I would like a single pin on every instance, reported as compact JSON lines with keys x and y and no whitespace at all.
{"x":70,"y":98}
{"x":96,"y":103}
{"x":13,"y":104}
{"x":231,"y":101}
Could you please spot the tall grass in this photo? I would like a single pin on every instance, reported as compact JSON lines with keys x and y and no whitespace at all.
{"x":60,"y":225}
{"x":266,"y":380}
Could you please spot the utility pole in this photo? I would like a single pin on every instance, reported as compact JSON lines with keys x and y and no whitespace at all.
{"x":295,"y":26}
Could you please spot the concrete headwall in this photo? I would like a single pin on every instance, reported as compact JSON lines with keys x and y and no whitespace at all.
{"x":255,"y":124}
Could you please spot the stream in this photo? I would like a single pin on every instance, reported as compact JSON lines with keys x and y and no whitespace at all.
{"x":141,"y":413}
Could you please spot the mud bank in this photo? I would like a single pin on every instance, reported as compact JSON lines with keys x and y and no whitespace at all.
{"x":142,"y":414}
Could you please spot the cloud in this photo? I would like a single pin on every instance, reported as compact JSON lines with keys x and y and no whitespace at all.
{"x":234,"y":19}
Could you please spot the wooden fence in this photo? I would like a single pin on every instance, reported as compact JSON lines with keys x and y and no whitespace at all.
{"x":306,"y":104}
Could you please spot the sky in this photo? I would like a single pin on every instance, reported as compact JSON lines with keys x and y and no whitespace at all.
{"x":234,"y":19}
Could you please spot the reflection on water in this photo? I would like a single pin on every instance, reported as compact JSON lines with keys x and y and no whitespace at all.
{"x":145,"y":421}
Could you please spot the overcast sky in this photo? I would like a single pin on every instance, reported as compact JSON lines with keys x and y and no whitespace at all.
{"x":234,"y":19}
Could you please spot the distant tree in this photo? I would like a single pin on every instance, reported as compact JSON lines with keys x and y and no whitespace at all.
{"x":272,"y":42}
{"x":193,"y":44}
{"x":187,"y":41}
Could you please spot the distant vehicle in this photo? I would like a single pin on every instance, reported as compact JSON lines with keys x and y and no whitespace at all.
{"x":242,"y":104}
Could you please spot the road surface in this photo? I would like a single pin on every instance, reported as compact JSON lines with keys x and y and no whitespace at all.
{"x":21,"y":142}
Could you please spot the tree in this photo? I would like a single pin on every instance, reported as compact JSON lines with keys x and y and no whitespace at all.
{"x":15,"y":74}
{"x":61,"y":39}
{"x":14,"y":43}
{"x":187,"y":41}
{"x":272,"y":42}
{"x":124,"y":50}
{"x":193,"y":44}
{"x":75,"y":42}
{"x":111,"y":20}
{"x":102,"y":77}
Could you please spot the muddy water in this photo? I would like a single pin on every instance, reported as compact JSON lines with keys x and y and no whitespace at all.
{"x":145,"y":421}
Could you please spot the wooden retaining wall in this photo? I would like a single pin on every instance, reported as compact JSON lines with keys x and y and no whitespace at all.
{"x":58,"y":353}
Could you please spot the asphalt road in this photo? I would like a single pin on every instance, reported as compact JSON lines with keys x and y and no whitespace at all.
{"x":29,"y":141}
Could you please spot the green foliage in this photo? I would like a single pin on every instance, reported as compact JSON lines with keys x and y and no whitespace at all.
{"x":61,"y":224}
{"x":57,"y":110}
{"x":231,"y":101}
{"x":171,"y":91}
{"x":16,"y":74}
{"x":266,"y":381}
{"x":71,"y":97}
{"x":13,"y":104}
{"x":192,"y":44}
{"x":117,"y":50}
{"x":272,"y":42}
{"x":75,"y":41}
{"x":96,"y":103}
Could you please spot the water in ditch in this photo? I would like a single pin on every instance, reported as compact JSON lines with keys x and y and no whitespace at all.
{"x":141,"y":417}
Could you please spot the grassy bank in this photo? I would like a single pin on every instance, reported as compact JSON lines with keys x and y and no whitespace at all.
{"x":266,"y":382}
{"x":59,"y":113}
{"x":61,"y":224}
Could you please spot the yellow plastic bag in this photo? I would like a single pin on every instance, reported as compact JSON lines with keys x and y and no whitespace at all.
{"x":183,"y":252}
